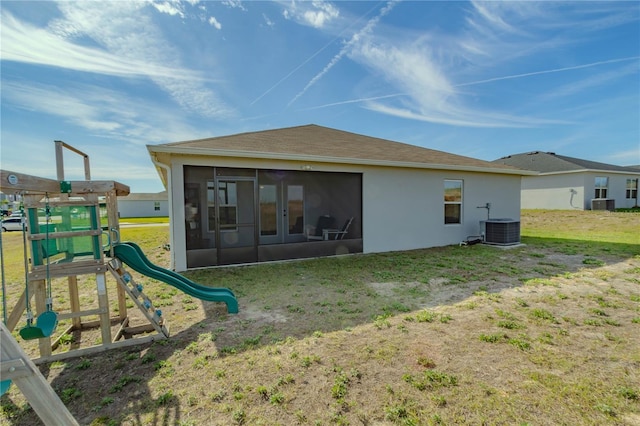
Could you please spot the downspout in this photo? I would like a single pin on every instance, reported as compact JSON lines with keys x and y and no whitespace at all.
{"x":170,"y":202}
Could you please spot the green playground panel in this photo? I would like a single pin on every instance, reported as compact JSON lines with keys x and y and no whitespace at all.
{"x":65,"y":219}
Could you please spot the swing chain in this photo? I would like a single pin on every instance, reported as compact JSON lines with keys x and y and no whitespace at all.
{"x":26,"y":263}
{"x":47,"y":209}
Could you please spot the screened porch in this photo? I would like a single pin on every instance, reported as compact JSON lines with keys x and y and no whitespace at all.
{"x":236,"y":215}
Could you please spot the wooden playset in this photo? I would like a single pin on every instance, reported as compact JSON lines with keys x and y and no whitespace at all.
{"x":71,"y":229}
{"x":75,"y":243}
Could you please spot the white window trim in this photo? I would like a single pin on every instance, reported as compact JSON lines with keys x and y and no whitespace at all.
{"x":460,"y":203}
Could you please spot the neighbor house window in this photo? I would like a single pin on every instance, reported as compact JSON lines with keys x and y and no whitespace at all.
{"x":156,"y":206}
{"x":601,"y":187}
{"x":632,"y":188}
{"x":452,"y":201}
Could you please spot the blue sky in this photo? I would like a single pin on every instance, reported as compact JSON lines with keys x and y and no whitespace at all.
{"x":482,"y":79}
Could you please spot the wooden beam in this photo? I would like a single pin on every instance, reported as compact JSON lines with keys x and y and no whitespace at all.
{"x":32,"y":383}
{"x":103,"y":303}
{"x":40,"y":297}
{"x":98,"y":187}
{"x":100,"y":348}
{"x":13,"y":369}
{"x":79,"y":314}
{"x":65,"y":234}
{"x":19,"y":308}
{"x":11,"y":182}
{"x":74,"y":299}
{"x":58,"y":270}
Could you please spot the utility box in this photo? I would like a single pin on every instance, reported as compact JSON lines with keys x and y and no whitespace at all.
{"x":603,"y":204}
{"x":503,"y":231}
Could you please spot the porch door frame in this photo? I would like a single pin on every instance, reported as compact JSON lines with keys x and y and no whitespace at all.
{"x":282,"y":215}
{"x":251,"y":254}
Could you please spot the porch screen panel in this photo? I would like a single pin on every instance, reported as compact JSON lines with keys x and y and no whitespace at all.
{"x":295,"y":209}
{"x":211,"y":206}
{"x":268,"y":210}
{"x":228,"y":199}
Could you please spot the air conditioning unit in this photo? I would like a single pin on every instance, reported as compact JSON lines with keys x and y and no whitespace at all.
{"x":501,"y":231}
{"x":603,"y":204}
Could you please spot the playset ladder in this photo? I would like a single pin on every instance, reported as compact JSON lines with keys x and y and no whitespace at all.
{"x":135,"y":292}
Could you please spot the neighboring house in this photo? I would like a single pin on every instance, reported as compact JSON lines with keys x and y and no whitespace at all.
{"x":264,"y":195}
{"x":572,"y":183}
{"x":144,"y":205}
{"x":9,"y":202}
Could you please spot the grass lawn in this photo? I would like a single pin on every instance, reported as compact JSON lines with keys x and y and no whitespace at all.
{"x":128,"y":220}
{"x":545,"y":333}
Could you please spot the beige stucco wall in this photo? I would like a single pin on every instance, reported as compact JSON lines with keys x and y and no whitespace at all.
{"x":402,"y":208}
{"x":555,"y":192}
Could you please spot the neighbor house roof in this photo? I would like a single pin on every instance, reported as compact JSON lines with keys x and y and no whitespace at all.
{"x":323,"y":144}
{"x":550,"y":162}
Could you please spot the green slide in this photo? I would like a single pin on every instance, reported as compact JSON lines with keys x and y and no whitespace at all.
{"x":132,"y":255}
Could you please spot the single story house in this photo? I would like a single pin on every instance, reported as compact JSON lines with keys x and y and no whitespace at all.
{"x":572,"y":183}
{"x":311,"y":191}
{"x":142,"y":204}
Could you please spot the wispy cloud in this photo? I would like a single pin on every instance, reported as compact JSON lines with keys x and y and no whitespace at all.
{"x":566,"y":90}
{"x":461,"y":116}
{"x":268,"y":21}
{"x":235,"y":4}
{"x":367,"y":29}
{"x":316,"y":14}
{"x":354,"y":101}
{"x":22,"y":42}
{"x":428,"y":71}
{"x":579,"y":86}
{"x":306,"y":61}
{"x":131,"y":33}
{"x":630,"y":157}
{"x":170,"y":8}
{"x":556,"y":70}
{"x":126,"y":43}
{"x":100,"y":111}
{"x":214,"y":23}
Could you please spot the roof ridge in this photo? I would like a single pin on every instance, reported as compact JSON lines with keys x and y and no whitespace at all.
{"x":251,"y":132}
{"x":547,"y":162}
{"x":312,"y":142}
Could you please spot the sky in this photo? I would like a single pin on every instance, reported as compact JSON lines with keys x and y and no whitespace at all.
{"x":480,"y":79}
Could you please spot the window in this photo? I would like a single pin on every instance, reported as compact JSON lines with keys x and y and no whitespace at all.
{"x":601,"y":187}
{"x":452,"y":201}
{"x":632,"y":188}
{"x":156,"y":206}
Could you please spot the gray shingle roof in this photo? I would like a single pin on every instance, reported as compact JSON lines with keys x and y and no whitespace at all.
{"x":313,"y":142}
{"x":549,"y":162}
